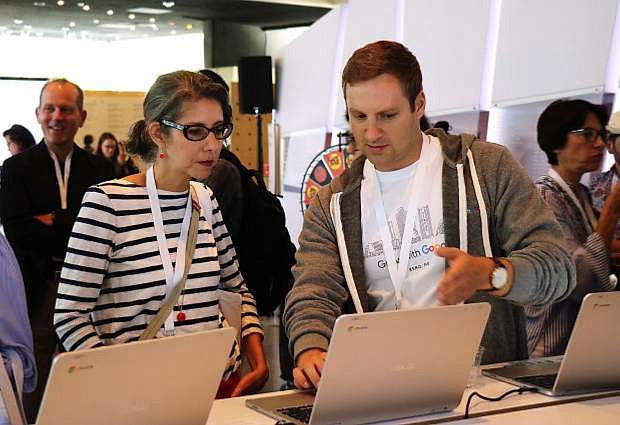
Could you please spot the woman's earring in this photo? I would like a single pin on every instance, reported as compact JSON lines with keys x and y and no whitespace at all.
{"x":162,"y":155}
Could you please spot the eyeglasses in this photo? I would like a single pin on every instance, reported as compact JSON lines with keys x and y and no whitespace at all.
{"x":591,"y":135}
{"x":198,"y":132}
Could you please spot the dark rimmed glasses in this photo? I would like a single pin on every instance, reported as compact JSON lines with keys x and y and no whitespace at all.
{"x":199,"y":132}
{"x":591,"y":135}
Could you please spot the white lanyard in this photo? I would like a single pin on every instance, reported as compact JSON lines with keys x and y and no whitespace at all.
{"x":397,"y":270}
{"x":63,"y":181}
{"x":173,"y":276}
{"x":588,"y":215}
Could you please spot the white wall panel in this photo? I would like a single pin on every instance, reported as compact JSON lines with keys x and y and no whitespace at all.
{"x":551,"y":48}
{"x":448,"y":38}
{"x":126,"y":65}
{"x":367,"y":21}
{"x":305,"y":69}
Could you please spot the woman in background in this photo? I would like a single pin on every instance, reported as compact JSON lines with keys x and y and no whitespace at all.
{"x":114,"y":151}
{"x":572,"y":135}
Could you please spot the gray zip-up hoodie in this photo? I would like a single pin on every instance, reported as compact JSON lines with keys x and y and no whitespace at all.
{"x":490,"y":208}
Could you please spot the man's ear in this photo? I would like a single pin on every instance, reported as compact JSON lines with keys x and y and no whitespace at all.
{"x":155,"y":132}
{"x":83,"y":115}
{"x":420,"y":104}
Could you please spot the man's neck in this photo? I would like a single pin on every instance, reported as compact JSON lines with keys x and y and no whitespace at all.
{"x":617,"y":169}
{"x":568,"y":176}
{"x":61,"y":151}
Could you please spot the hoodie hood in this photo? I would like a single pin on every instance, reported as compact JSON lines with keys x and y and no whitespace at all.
{"x":454,"y":147}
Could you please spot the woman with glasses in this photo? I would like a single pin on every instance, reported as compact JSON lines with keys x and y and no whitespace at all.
{"x":572,"y":135}
{"x":130,"y":236}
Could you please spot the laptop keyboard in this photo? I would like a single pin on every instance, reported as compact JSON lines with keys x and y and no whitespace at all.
{"x":544,"y":381}
{"x":300,"y":413}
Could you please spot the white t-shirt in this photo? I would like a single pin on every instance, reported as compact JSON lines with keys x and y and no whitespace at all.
{"x":424,"y":268}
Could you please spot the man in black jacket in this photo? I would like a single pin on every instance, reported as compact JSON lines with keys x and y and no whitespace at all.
{"x":40,"y":196}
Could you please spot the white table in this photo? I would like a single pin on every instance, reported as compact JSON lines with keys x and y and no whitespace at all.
{"x":233,"y":411}
{"x":601,"y":411}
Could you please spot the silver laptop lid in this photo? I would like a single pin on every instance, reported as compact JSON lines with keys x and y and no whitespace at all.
{"x":157,"y":382}
{"x":592,"y":358}
{"x":397,"y":364}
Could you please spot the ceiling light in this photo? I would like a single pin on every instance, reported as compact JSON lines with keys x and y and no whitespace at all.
{"x":189,"y":26}
{"x":168,"y":4}
{"x":171,"y":24}
{"x":39,"y":33}
{"x":27,"y":27}
{"x":39,"y":3}
{"x":60,"y":3}
{"x":80,"y":4}
{"x":155,"y":27}
{"x":173,"y":32}
{"x":110,"y":12}
{"x":72,"y":24}
{"x":149,"y":11}
{"x":117,"y":26}
{"x":96,"y":21}
{"x":131,"y":16}
{"x":86,"y":8}
{"x":18,"y":21}
{"x":152,"y":20}
{"x":132,"y":27}
{"x":65,"y":29}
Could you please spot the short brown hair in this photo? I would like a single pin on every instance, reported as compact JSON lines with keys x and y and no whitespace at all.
{"x":384,"y":57}
{"x":80,"y":94}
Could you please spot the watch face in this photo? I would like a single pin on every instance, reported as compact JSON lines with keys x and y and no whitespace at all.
{"x":500,"y":277}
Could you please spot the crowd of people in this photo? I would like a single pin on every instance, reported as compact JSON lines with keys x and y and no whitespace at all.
{"x":422,"y":218}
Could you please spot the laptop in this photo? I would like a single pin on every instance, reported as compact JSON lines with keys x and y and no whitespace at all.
{"x":388,"y":365}
{"x":592,"y":359}
{"x":161,"y":381}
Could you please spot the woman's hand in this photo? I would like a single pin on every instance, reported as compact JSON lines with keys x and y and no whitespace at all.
{"x":254,"y":380}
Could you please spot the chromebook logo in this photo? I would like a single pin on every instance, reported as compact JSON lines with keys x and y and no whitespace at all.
{"x":73,"y":369}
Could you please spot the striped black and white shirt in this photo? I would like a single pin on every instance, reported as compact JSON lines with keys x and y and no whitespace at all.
{"x":113,"y":283}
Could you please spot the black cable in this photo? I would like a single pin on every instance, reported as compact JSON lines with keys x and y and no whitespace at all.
{"x":506,"y":394}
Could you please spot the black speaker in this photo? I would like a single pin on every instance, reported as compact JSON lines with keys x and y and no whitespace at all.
{"x":255,"y":87}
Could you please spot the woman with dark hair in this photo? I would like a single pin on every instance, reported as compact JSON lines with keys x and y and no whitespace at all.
{"x":572,"y":135}
{"x":108,"y":146}
{"x":114,"y":151}
{"x":131,"y":232}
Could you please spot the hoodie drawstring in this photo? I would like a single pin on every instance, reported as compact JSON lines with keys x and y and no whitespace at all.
{"x":486,"y":240}
{"x":462,"y":208}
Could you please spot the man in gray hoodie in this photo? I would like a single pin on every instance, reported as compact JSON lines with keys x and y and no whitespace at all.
{"x":462,"y":216}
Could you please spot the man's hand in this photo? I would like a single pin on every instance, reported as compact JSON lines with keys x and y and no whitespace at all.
{"x":466,"y":275}
{"x":310,"y":364}
{"x":47,"y":219}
